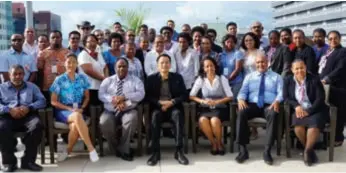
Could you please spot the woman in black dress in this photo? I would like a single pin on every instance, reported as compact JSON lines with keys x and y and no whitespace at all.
{"x":305,"y":95}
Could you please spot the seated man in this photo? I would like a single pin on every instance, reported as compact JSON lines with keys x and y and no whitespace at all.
{"x":120,"y":94}
{"x":19,"y":102}
{"x":165,"y":92}
{"x":260,"y":96}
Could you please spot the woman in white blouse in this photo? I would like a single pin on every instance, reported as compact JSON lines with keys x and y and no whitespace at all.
{"x":216,"y":93}
{"x":187,"y":60}
{"x":93,"y":65}
{"x":250,"y":45}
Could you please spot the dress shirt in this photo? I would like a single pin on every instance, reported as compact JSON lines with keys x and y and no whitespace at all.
{"x":228,"y":61}
{"x":46,"y":60}
{"x":273,"y":87}
{"x":135,"y":68}
{"x":11,"y":57}
{"x":250,"y":61}
{"x":150,"y":64}
{"x":304,"y":102}
{"x":31,"y":50}
{"x":320,"y":52}
{"x":29,"y":95}
{"x":133,"y":90}
{"x":68,"y":91}
{"x":187,"y":66}
{"x":264,"y":42}
{"x":173,"y":47}
{"x":219,"y":89}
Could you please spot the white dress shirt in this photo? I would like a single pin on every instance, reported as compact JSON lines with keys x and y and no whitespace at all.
{"x":31,"y":50}
{"x":174,"y":48}
{"x":150,"y":64}
{"x":219,"y":88}
{"x":133,"y":91}
{"x":187,"y":66}
{"x":97,"y":65}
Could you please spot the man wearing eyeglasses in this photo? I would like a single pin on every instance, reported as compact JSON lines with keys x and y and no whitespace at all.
{"x":16,"y":55}
{"x":85,"y":28}
{"x":74,"y":38}
{"x":257,"y":29}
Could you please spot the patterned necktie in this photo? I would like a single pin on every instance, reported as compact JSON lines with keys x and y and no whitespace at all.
{"x":260,"y":102}
{"x":120,"y":88}
{"x":302,"y":93}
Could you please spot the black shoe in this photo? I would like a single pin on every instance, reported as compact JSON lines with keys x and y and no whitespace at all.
{"x":307,"y":158}
{"x":314,"y":157}
{"x":242,"y":157}
{"x":214,"y":152}
{"x":9,"y":168}
{"x":152,"y":161}
{"x":180,"y":157}
{"x":32,"y":167}
{"x":268,"y":159}
{"x":221,"y":152}
{"x":124,"y":156}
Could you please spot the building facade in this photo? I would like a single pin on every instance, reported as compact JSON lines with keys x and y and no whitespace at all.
{"x":309,"y":15}
{"x":6,"y":27}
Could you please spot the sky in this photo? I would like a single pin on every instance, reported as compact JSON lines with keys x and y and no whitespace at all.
{"x":102,"y":13}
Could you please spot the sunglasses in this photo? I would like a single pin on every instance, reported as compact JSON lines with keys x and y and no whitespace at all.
{"x":85,"y":28}
{"x":17,"y":39}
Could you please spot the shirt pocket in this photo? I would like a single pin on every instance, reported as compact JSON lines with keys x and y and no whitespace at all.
{"x":26,"y":97}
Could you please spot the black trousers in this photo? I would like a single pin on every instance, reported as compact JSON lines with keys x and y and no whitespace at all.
{"x":173,"y":115}
{"x":340,"y":123}
{"x":31,"y":126}
{"x":253,"y":111}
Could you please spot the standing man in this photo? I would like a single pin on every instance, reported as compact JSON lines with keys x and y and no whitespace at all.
{"x":102,"y":45}
{"x":166,"y":92}
{"x":73,"y":43}
{"x":171,"y":24}
{"x":152,"y":35}
{"x":19,"y":114}
{"x":204,"y":26}
{"x":260,"y":96}
{"x":257,"y":29}
{"x":170,"y":45}
{"x":120,"y":94}
{"x":320,"y":47}
{"x":186,"y":28}
{"x":232,"y":28}
{"x":43,"y":42}
{"x":117,"y":27}
{"x":85,"y":28}
{"x":213,"y":34}
{"x":30,"y":46}
{"x":16,"y":55}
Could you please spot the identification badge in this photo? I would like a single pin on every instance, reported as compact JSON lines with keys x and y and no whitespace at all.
{"x":54,"y":69}
{"x":225,"y":71}
{"x":75,"y":105}
{"x":128,"y":103}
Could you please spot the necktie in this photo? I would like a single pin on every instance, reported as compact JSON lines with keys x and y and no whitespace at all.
{"x":120,"y":88}
{"x":260,"y":102}
{"x":302,"y":93}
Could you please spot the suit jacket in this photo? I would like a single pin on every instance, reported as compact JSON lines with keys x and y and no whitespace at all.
{"x":139,"y":54}
{"x":334,"y":74}
{"x":176,"y":87}
{"x":216,"y":48}
{"x":314,"y":89}
{"x":281,"y":59}
{"x":307,"y":54}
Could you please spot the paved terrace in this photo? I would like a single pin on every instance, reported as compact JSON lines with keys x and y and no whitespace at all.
{"x":202,"y":161}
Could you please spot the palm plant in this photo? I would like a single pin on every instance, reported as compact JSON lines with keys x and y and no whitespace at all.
{"x":132,"y":18}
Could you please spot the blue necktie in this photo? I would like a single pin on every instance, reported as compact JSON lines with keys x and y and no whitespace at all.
{"x":260,"y":102}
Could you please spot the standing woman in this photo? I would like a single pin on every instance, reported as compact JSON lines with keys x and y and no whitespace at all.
{"x":70,"y":97}
{"x":216,"y":93}
{"x":206,"y":49}
{"x":197,"y":33}
{"x":332,"y":72}
{"x":111,"y":55}
{"x":231,"y":63}
{"x":250,"y":44}
{"x":93,"y":65}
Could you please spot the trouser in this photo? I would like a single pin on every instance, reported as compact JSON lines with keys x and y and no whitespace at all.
{"x":31,"y":126}
{"x":340,"y":123}
{"x":110,"y":121}
{"x":173,"y":115}
{"x":253,"y":111}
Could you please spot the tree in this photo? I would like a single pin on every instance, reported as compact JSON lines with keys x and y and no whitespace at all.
{"x":132,"y":18}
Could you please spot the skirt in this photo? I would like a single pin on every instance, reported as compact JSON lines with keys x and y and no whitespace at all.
{"x":62,"y":115}
{"x":316,"y":120}
{"x":221,"y":113}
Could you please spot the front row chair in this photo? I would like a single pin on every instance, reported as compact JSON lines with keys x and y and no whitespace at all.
{"x":147,"y":124}
{"x":329,"y":128}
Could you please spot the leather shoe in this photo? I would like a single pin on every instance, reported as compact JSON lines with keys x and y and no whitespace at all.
{"x":221,"y":151}
{"x":9,"y":168}
{"x":307,"y":158}
{"x":214,"y":152}
{"x":268,"y":159}
{"x":152,"y":161}
{"x":32,"y":167}
{"x":242,"y":157}
{"x":180,"y":157}
{"x":124,"y":156}
{"x":314,"y":157}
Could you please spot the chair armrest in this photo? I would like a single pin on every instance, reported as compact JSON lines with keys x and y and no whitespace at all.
{"x":50,"y":118}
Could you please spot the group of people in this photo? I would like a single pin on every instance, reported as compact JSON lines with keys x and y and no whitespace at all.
{"x":120,"y":70}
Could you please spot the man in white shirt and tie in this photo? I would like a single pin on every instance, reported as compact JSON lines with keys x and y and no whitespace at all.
{"x":120,"y":94}
{"x":150,"y":60}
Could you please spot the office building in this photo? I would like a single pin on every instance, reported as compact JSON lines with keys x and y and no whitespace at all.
{"x":6,"y":27}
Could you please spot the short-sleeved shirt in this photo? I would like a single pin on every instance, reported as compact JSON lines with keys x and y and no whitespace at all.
{"x":11,"y":57}
{"x":98,"y":66}
{"x":46,"y":60}
{"x":228,"y":61}
{"x":69,"y":91}
{"x":110,"y":61}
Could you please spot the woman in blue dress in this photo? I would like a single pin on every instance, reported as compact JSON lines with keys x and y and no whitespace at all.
{"x":111,"y":55}
{"x":70,"y":96}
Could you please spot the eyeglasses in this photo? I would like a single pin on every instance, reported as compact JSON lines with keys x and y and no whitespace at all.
{"x":85,"y":28}
{"x":17,"y":39}
{"x":254,"y":27}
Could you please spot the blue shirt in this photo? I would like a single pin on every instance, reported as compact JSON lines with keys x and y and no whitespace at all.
{"x":175,"y":35}
{"x":11,"y":57}
{"x":29,"y":95}
{"x":321,"y":52}
{"x":228,"y":62}
{"x":110,"y":61}
{"x":272,"y":87}
{"x":68,"y":91}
